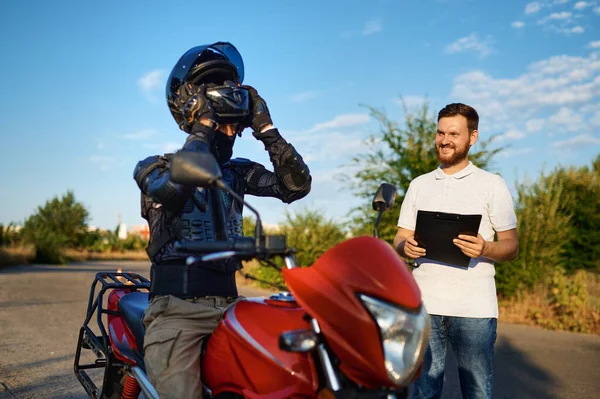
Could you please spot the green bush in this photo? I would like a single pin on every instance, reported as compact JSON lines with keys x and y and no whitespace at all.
{"x":568,"y":304}
{"x":310,"y":233}
{"x":10,"y":235}
{"x":543,"y":228}
{"x":57,"y":225}
{"x":582,"y":249}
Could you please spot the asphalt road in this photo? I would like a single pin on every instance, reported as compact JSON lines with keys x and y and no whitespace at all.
{"x":42,"y":308}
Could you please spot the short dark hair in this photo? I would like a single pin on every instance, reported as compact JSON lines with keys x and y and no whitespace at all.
{"x":461,"y":109}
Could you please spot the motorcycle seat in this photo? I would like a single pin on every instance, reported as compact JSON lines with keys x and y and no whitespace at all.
{"x":132,"y":306}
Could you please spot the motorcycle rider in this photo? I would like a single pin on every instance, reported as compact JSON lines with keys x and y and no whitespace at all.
{"x":188,"y":302}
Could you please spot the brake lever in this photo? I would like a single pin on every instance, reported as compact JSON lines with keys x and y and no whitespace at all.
{"x":218,"y":256}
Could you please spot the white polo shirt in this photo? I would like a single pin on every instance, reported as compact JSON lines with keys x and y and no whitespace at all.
{"x":449,"y":290}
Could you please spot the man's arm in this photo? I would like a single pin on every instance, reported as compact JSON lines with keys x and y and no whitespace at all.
{"x":153,"y":175}
{"x":405,"y":244}
{"x":506,"y":248}
{"x":291,"y":179}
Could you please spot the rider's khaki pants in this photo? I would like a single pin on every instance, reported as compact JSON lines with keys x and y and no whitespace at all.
{"x":175,"y":329}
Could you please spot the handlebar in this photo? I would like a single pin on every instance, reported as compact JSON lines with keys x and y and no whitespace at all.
{"x":238,"y":244}
{"x":242,"y":247}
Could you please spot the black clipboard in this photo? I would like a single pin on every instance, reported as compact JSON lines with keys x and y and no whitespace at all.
{"x":436,"y":230}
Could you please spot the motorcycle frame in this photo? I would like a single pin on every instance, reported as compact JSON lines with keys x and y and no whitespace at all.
{"x":100,"y":345}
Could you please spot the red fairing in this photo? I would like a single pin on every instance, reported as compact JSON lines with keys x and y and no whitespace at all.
{"x":121,"y":338}
{"x":243,"y":354}
{"x":328,"y":292}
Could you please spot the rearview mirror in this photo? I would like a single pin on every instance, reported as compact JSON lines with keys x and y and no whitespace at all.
{"x":198,"y":169}
{"x":384,"y":197}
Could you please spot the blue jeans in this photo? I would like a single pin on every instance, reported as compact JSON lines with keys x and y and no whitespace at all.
{"x":472,"y":341}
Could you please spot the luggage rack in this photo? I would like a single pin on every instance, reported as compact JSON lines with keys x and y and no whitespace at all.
{"x":100,"y":344}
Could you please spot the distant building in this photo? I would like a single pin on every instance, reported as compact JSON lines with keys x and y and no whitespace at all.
{"x":122,"y":231}
{"x":140,"y":230}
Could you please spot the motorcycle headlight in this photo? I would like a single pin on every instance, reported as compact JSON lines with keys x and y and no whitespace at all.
{"x":404,"y":335}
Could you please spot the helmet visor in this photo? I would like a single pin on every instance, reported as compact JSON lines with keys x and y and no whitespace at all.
{"x":231,"y":103}
{"x":232,"y":55}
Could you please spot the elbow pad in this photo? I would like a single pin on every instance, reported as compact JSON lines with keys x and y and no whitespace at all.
{"x":293,"y":171}
{"x":153,"y":178}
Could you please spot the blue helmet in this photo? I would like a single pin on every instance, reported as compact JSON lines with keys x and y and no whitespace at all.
{"x":212,"y":64}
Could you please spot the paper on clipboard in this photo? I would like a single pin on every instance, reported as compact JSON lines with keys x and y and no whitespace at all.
{"x":436,"y":230}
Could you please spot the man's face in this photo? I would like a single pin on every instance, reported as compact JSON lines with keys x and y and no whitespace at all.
{"x":229,"y":130}
{"x":453,"y":140}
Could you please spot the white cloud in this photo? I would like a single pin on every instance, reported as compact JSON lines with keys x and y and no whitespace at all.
{"x":510,"y":135}
{"x":412,"y":101}
{"x":597,"y":10}
{"x":515,"y":152}
{"x":557,"y":17}
{"x":595,"y":119}
{"x":163,"y":148}
{"x":568,"y":119}
{"x":560,"y":15}
{"x":556,"y":94}
{"x":372,"y":26}
{"x":151,"y":81}
{"x":343,"y":120}
{"x":331,"y":146}
{"x":103,"y":162}
{"x":594,"y":44}
{"x":580,"y":141}
{"x":532,"y":8}
{"x":518,"y":24}
{"x":143,"y":134}
{"x":471,"y":43}
{"x":534,"y":125}
{"x":580,"y":5}
{"x":576,"y":29}
{"x":305,"y":96}
{"x":101,"y":159}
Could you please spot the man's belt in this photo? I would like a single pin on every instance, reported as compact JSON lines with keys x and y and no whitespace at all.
{"x":187,"y":281}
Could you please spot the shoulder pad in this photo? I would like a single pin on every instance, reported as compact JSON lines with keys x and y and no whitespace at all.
{"x":240,"y":163}
{"x":145,"y":166}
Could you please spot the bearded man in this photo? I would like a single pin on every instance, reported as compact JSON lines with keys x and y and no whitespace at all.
{"x":461,"y":301}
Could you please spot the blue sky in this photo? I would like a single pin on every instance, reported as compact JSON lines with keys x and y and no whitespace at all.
{"x":82,"y":88}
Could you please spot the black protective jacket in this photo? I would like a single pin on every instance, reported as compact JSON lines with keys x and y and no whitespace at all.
{"x":176,"y":212}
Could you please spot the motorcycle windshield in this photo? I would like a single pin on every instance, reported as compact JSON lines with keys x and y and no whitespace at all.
{"x":329,"y":291}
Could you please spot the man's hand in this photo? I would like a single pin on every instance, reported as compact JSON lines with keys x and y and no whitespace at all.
{"x":471,"y":246}
{"x":412,"y":249}
{"x":260,"y":119}
{"x":197,"y":108}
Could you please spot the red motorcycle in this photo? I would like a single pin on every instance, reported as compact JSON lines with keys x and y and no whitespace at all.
{"x":351,"y":326}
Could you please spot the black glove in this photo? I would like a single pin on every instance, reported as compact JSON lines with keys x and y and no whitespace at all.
{"x":260,"y":116}
{"x":197,"y":107}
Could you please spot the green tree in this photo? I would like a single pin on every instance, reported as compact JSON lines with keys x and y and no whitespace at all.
{"x":543,"y":228}
{"x":248,"y":224}
{"x":582,"y":249}
{"x":10,"y":235}
{"x":59,"y":224}
{"x":397,"y":154}
{"x":310,"y":233}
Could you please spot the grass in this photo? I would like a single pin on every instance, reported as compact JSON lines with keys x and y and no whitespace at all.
{"x":539,"y":307}
{"x":80,"y":256}
{"x":23,"y":255}
{"x":16,"y":255}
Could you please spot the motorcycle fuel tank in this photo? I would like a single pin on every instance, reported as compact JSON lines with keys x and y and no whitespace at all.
{"x":243,"y":354}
